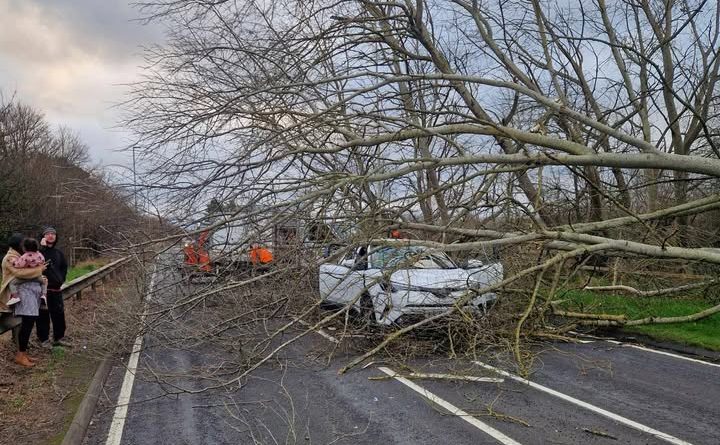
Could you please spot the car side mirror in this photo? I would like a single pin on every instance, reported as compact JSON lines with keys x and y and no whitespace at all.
{"x":361,"y":259}
{"x":475,"y":264}
{"x":360,"y":264}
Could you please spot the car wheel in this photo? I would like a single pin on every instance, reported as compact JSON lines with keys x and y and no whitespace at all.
{"x":328,"y":305}
{"x":487,"y":307}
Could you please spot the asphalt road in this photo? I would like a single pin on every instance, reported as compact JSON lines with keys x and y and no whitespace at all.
{"x":591,"y":393}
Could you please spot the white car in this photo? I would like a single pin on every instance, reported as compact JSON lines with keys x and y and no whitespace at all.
{"x":389,"y":282}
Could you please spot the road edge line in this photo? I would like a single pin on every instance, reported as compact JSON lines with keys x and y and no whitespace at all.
{"x":596,"y":409}
{"x":670,"y":354}
{"x":648,"y":349}
{"x":117,"y":426}
{"x":467,"y":417}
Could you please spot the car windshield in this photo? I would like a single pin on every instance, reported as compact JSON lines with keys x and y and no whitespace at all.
{"x":411,"y":257}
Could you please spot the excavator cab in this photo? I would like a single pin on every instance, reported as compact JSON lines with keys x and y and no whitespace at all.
{"x":196,"y":259}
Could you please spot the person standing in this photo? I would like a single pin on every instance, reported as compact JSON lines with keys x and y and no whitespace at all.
{"x":10,"y":272}
{"x":27,"y":310}
{"x":56,"y":272}
{"x":30,"y":259}
{"x":260,"y":255}
{"x":28,"y":294}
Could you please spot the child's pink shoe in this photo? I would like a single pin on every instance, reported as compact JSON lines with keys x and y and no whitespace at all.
{"x":13,"y":300}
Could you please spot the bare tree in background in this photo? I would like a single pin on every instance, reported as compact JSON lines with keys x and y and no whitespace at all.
{"x":45,"y":178}
{"x":68,"y":145}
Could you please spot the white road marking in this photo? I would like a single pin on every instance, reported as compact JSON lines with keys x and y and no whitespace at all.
{"x":656,"y":351}
{"x":118,"y":423}
{"x":319,"y":331}
{"x":502,"y":438}
{"x":327,"y":336}
{"x":469,"y":378}
{"x":625,"y":421}
{"x":594,"y":337}
{"x":482,"y":426}
{"x":670,"y":354}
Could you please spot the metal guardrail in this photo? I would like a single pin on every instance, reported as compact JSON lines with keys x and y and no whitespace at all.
{"x":76,"y":286}
{"x":69,"y":289}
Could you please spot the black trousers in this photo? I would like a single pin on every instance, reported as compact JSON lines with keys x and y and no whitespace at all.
{"x":55,"y":312}
{"x":28,"y":321}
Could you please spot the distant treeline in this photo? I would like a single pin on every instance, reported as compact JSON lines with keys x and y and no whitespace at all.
{"x":46,"y":179}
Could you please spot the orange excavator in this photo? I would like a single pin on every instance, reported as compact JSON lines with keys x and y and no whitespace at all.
{"x":260,"y":255}
{"x":197,"y":259}
{"x":196,"y":255}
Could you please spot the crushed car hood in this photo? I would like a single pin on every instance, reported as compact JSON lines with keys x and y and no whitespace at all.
{"x":439,"y":278}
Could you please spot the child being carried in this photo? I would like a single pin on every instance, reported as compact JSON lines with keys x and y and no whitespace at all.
{"x":29,"y":259}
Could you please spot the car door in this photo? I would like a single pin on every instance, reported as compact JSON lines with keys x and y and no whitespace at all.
{"x":344,"y":282}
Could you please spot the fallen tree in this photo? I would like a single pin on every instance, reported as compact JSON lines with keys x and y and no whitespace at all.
{"x":362,"y":114}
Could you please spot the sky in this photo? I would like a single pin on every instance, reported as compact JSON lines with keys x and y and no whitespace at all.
{"x":71,"y":60}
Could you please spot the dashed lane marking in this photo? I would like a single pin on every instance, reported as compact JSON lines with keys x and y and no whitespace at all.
{"x":499,"y":435}
{"x":454,"y":410}
{"x":620,"y":419}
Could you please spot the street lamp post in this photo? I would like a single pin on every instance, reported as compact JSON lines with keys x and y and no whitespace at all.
{"x":134,"y":171}
{"x":134,"y":183}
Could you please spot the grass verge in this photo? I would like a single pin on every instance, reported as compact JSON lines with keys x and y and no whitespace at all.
{"x":83,"y":268}
{"x":39,"y":404}
{"x":77,"y":374}
{"x":42,"y":401}
{"x":703,"y":333}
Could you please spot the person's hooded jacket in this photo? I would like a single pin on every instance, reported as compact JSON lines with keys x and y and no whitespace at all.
{"x":57,"y":266}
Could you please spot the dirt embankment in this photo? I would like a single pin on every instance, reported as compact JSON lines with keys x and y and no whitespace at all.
{"x":38,"y":404}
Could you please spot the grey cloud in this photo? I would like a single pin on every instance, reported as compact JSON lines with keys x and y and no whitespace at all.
{"x":67,"y":57}
{"x":110,"y":26}
{"x":52,"y":29}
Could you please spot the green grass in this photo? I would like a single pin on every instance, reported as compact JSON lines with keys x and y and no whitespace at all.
{"x":79,"y":271}
{"x":58,"y":354}
{"x":16,"y":403}
{"x":704,"y":333}
{"x":76,"y":372}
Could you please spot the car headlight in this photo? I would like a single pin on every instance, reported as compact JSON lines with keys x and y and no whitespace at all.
{"x":438,"y":292}
{"x":394,"y":287}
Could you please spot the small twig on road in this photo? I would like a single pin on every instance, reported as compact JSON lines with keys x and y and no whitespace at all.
{"x":599,"y":433}
{"x":235,"y":402}
{"x":418,"y":375}
{"x":505,"y":417}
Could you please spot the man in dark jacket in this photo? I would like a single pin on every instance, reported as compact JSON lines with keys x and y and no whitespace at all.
{"x":56,"y":272}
